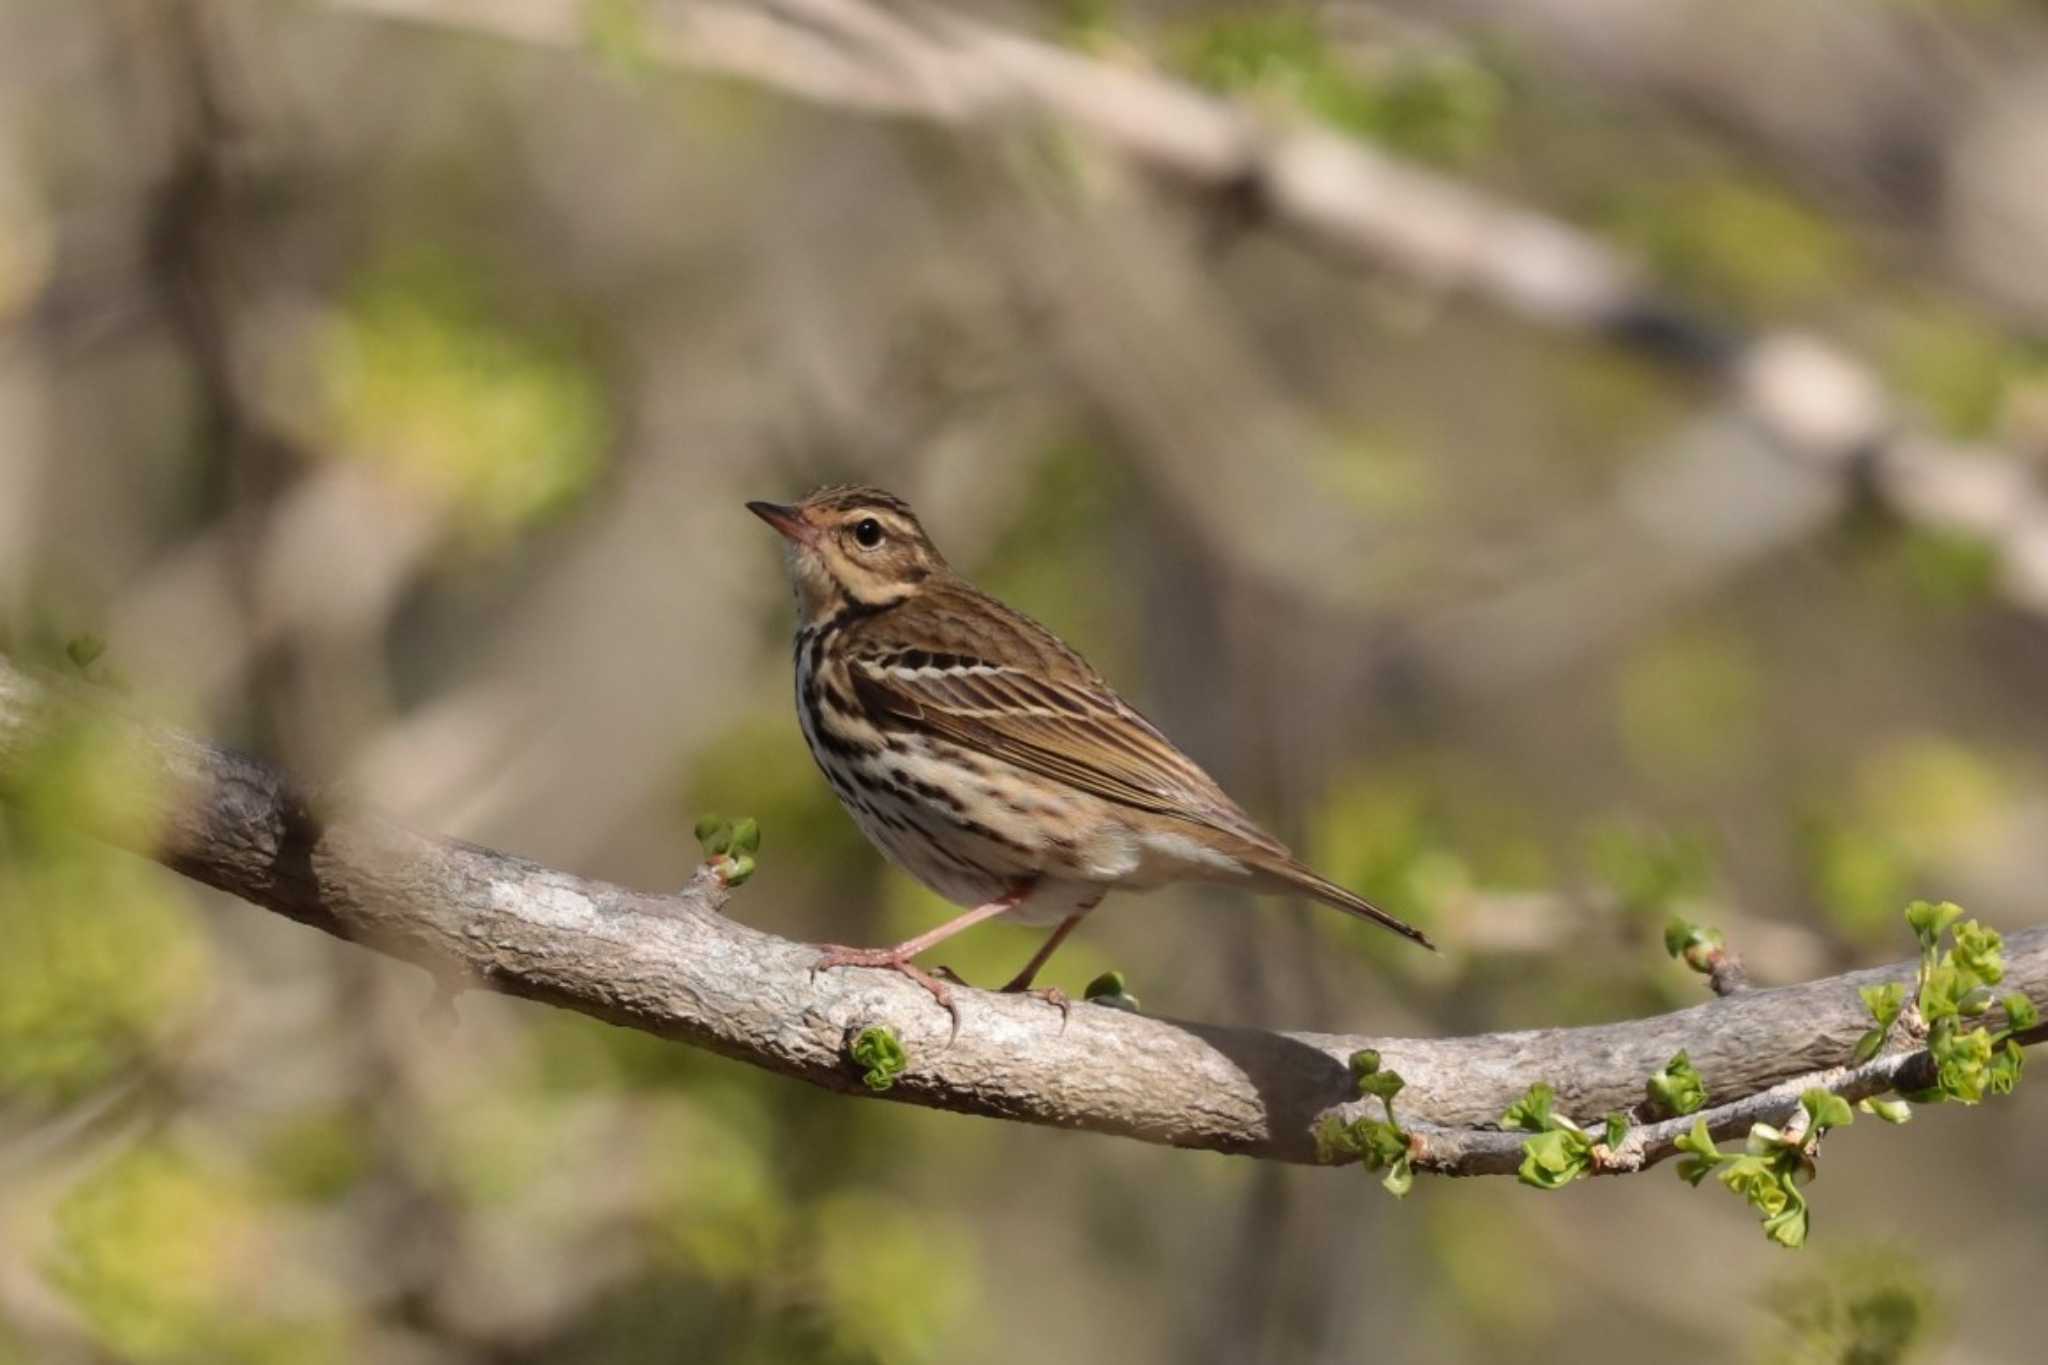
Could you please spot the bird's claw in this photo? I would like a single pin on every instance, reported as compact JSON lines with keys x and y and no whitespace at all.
{"x":890,"y":959}
{"x":1051,"y":995}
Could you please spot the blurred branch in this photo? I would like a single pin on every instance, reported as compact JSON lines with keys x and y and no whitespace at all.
{"x":674,"y":966}
{"x":1920,"y":114}
{"x":1816,"y":405}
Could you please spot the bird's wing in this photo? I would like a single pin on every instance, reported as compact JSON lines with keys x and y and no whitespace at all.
{"x":1037,"y":705}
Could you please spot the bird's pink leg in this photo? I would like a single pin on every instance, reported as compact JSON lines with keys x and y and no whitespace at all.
{"x":1022,"y":980}
{"x":1052,"y":995}
{"x":898,"y":957}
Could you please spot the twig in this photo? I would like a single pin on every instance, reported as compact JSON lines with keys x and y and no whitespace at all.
{"x":1475,"y":1152}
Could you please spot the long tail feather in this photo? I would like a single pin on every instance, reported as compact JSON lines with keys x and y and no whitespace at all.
{"x":1311,"y":883}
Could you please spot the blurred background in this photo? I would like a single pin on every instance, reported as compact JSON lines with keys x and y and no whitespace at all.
{"x":380,"y":381}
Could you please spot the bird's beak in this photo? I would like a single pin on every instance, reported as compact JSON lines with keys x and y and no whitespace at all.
{"x":787,"y":520}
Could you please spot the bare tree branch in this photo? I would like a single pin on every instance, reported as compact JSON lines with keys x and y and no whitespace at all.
{"x":677,"y":967}
{"x":1815,"y":404}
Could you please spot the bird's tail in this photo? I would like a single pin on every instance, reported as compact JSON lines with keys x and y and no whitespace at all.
{"x":1292,"y":875}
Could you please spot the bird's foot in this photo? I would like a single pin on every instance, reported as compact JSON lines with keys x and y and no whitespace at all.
{"x":1051,"y":995}
{"x":894,"y":960}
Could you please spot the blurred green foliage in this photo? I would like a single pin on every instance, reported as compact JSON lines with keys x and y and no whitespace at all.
{"x":1478,"y":1250}
{"x":316,"y":1156}
{"x":1733,"y":243}
{"x":1648,"y":869}
{"x":1689,"y":706}
{"x":103,"y":960}
{"x":1437,"y":105}
{"x":757,"y":1197}
{"x":616,"y":33}
{"x":1065,"y":536}
{"x":721,"y":1209}
{"x":1947,"y":568}
{"x":1380,"y":475}
{"x":1869,"y":1305}
{"x":1423,"y":831}
{"x":1913,"y":802}
{"x":430,"y":380}
{"x":895,"y":1279}
{"x":1961,"y":368}
{"x":166,"y":1258}
{"x":1376,"y":829}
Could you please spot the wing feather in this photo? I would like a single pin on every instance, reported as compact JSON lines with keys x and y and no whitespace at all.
{"x":1071,"y":729}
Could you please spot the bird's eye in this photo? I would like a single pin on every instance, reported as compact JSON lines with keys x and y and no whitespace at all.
{"x":868,"y":534}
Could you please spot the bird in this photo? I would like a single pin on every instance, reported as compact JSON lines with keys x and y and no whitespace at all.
{"x":984,"y":756}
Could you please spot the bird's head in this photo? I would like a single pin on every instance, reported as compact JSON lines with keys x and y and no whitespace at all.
{"x":858,"y":547}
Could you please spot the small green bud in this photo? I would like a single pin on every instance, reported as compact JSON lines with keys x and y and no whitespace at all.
{"x":1980,"y":952}
{"x":1677,"y":1089}
{"x":1109,"y":983}
{"x":738,"y":870}
{"x":1617,"y":1131}
{"x":1383,"y":1143}
{"x":1677,"y":933}
{"x":1109,"y":989}
{"x":1364,"y":1063}
{"x":1532,"y":1113}
{"x":2004,"y":1072}
{"x":1379,"y":1146}
{"x":877,"y":1050}
{"x":1764,"y":1139}
{"x":1702,"y":1156}
{"x":1962,"y":1062}
{"x":1682,"y":937}
{"x":1884,"y":1002}
{"x":746,"y":835}
{"x":1551,"y":1160}
{"x":1758,"y":1180}
{"x":714,"y":832}
{"x":1975,"y":1003}
{"x":1826,"y":1110}
{"x":2020,"y":1014}
{"x":1928,"y":920}
{"x":1942,"y":989}
{"x":1383,"y":1085}
{"x":1891,"y":1110}
{"x":1788,"y":1228}
{"x":1335,"y":1140}
{"x":1867,"y":1046}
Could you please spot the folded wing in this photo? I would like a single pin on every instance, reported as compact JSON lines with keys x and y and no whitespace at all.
{"x":1071,"y":728}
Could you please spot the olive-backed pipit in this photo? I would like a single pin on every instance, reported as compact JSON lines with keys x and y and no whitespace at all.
{"x":982,"y":755}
